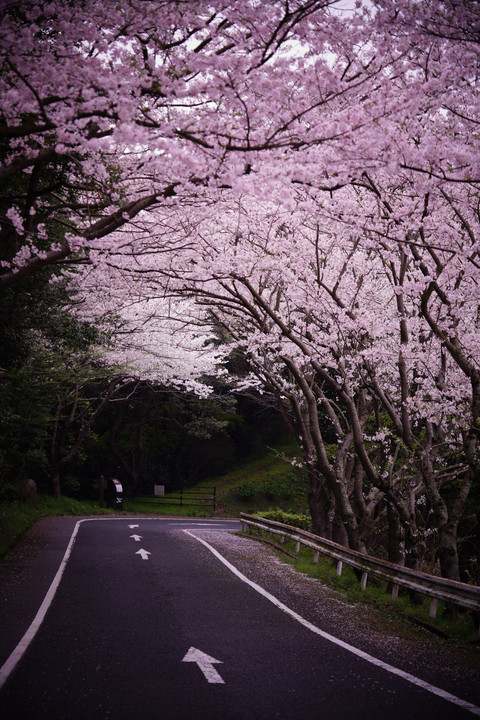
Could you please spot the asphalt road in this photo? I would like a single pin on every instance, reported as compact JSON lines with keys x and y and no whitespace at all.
{"x":148,"y":623}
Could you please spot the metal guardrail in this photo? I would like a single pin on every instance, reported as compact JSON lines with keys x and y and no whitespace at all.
{"x":438,"y":588}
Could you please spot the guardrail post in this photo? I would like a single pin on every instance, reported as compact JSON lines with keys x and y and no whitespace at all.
{"x":214,"y":498}
{"x":396,"y":576}
{"x":297,"y":546}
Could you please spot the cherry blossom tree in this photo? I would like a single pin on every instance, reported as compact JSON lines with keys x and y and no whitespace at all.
{"x":109,"y":111}
{"x":427,"y":208}
{"x":309,"y":301}
{"x":148,"y":337}
{"x":302,"y":173}
{"x":433,"y":276}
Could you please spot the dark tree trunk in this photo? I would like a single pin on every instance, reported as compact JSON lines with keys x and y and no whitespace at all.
{"x":395,"y":547}
{"x":55,"y":473}
{"x":339,"y":533}
{"x":316,"y":504}
{"x":448,"y":552}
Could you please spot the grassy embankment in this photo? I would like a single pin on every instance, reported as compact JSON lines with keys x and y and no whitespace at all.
{"x":17,"y":518}
{"x":263,"y":484}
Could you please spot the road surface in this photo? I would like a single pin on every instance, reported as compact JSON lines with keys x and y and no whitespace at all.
{"x":147,"y":620}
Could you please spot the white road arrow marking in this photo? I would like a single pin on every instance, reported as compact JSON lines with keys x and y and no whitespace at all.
{"x":137,"y":538}
{"x":132,"y":526}
{"x":143,"y":553}
{"x":205,"y":663}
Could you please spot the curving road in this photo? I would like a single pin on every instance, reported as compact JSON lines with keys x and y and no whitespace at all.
{"x":150,"y":621}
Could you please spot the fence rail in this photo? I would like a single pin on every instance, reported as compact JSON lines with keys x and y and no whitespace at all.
{"x":198,"y":497}
{"x":437,"y":588}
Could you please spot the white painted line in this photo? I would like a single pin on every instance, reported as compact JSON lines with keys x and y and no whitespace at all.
{"x":350,"y":648}
{"x":208,"y":522}
{"x":211,"y":525}
{"x":205,"y":663}
{"x":17,"y":653}
{"x":11,"y":661}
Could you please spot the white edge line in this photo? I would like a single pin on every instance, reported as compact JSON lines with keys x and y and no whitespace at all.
{"x":17,"y":653}
{"x":15,"y":656}
{"x":350,"y":648}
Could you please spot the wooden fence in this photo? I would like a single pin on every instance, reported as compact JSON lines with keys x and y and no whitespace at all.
{"x":198,"y":497}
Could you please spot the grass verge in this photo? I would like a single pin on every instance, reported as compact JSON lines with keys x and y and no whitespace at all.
{"x":154,"y":506}
{"x":16,"y":518}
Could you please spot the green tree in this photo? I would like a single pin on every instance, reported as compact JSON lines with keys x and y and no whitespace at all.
{"x":52,"y":384}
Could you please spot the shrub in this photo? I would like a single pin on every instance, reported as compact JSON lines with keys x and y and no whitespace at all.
{"x":301,"y":521}
{"x":247,"y":489}
{"x":282,"y":486}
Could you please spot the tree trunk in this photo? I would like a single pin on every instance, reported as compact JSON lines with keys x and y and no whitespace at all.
{"x":57,"y":462}
{"x":55,"y":480}
{"x":448,"y":552}
{"x":316,"y":504}
{"x":412,"y":556}
{"x":339,"y":532}
{"x":395,"y":545}
{"x":345,"y":512}
{"x":334,"y":473}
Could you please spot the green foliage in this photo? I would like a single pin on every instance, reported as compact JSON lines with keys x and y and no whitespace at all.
{"x":33,"y":313}
{"x":260,"y":483}
{"x":47,"y":361}
{"x":24,"y":426}
{"x":16,"y":518}
{"x":301,"y":521}
{"x":284,"y":485}
{"x":247,"y":489}
{"x":153,"y":507}
{"x":270,"y":487}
